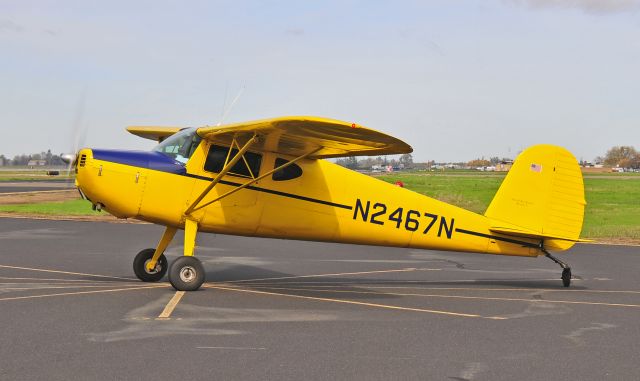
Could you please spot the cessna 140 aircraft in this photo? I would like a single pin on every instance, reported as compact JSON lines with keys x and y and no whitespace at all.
{"x":267,"y":179}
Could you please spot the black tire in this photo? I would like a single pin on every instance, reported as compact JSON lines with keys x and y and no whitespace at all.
{"x":140,"y":266}
{"x":566,"y":277}
{"x":186,"y":274}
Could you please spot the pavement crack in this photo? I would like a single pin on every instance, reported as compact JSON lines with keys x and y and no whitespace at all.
{"x":577,"y":336}
{"x":540,"y":309}
{"x":470,"y":371}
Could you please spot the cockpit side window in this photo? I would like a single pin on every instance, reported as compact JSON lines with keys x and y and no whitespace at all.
{"x":217,"y":157}
{"x":180,"y":146}
{"x":289,"y":172}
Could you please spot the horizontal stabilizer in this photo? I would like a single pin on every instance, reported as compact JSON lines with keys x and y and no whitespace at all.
{"x":519,"y":232}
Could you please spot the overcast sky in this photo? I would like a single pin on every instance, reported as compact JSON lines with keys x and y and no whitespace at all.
{"x":455,"y":79}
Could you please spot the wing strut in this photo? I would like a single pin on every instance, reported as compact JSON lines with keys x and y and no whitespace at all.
{"x":227,"y":167}
{"x":255,"y":180}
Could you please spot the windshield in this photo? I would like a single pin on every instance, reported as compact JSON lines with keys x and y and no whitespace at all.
{"x":180,"y":146}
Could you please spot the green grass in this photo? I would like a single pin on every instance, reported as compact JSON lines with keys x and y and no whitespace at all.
{"x":72,"y":207}
{"x":470,"y":192}
{"x":613,"y":204}
{"x":613,"y":208}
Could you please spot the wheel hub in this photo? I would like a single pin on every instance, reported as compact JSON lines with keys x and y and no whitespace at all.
{"x":187,"y":274}
{"x":155,"y":270}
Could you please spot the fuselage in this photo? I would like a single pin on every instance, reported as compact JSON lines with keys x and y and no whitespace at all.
{"x":317,"y":201}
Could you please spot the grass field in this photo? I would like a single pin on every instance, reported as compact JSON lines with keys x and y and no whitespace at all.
{"x":613,"y":201}
{"x":72,"y":207}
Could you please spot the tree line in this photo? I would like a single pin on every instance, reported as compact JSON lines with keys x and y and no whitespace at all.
{"x":352,"y":162}
{"x":621,"y":156}
{"x":618,"y":156}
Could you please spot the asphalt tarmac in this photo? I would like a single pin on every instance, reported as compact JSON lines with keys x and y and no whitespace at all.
{"x":34,"y":186}
{"x":71,"y":308}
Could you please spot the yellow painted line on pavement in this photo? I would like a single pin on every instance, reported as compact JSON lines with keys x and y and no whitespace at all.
{"x":329,"y":286}
{"x":376,"y":305}
{"x":82,"y":292}
{"x":336,"y":274}
{"x":361,"y":282}
{"x":507,"y":289}
{"x":96,"y":281}
{"x":54,"y":287}
{"x":63,"y":272}
{"x":168,"y":309}
{"x":458,"y":297}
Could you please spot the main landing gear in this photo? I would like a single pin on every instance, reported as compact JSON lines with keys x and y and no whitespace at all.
{"x":185,"y":273}
{"x":566,"y":270}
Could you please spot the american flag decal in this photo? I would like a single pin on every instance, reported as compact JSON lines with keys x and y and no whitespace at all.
{"x":536,"y":168}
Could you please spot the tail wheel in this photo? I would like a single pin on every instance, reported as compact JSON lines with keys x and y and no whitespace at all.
{"x":566,"y":277}
{"x":140,"y":266}
{"x":566,"y":270}
{"x":186,"y":274}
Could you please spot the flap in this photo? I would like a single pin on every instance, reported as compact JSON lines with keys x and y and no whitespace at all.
{"x":298,"y":135}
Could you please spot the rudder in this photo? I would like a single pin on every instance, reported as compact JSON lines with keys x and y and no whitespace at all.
{"x":541,"y":196}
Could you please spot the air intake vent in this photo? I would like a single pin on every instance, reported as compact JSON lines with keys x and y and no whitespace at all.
{"x":83,"y":159}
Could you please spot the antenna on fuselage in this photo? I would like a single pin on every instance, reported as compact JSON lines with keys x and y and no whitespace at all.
{"x":226,"y":110}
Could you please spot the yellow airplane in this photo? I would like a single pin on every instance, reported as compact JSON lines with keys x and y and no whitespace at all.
{"x":267,"y":178}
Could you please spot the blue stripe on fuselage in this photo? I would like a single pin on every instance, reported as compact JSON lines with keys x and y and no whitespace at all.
{"x":143,"y":159}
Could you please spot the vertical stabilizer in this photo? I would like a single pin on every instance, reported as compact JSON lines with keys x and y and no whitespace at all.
{"x":541,"y":196}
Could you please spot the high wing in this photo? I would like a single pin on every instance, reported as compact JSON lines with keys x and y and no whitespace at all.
{"x":299,"y":135}
{"x":154,"y":133}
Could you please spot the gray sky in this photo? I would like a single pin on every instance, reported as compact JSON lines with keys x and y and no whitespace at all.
{"x":455,"y":79}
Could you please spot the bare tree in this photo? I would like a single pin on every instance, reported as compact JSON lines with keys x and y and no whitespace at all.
{"x":621,"y":156}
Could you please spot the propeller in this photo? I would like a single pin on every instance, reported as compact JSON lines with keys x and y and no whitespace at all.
{"x":78,"y":134}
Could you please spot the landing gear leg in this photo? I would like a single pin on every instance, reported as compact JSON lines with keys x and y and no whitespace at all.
{"x":150,"y":265}
{"x":566,"y":270}
{"x":187,"y":273}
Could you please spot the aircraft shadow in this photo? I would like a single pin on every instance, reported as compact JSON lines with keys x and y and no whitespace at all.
{"x":256,"y":278}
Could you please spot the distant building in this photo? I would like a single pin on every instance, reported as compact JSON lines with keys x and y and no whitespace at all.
{"x":35,"y":163}
{"x":504,"y":165}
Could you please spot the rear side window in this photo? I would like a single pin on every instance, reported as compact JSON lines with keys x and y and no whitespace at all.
{"x":290,"y":172}
{"x":218,"y":154}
